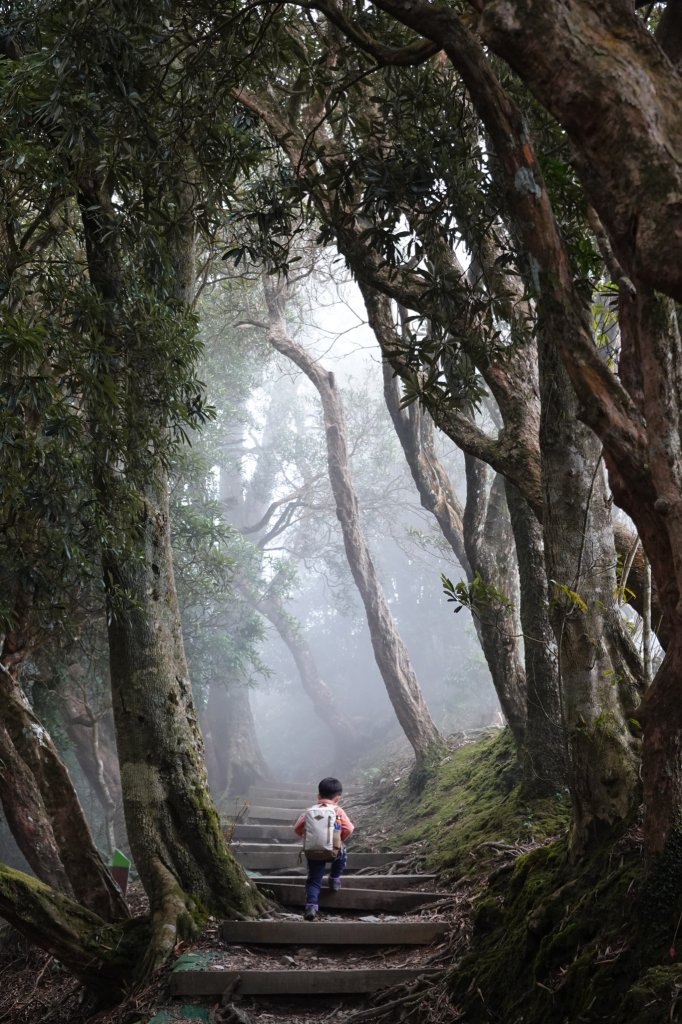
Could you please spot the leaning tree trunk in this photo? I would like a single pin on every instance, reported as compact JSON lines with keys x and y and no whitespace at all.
{"x":27,"y":818}
{"x":389,"y":651}
{"x":55,"y":801}
{"x":472,"y":545}
{"x":597,"y":663}
{"x":236,"y":760}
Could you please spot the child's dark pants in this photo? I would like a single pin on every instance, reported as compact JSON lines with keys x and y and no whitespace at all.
{"x":316,"y":870}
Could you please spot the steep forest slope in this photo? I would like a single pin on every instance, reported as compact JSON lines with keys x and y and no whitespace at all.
{"x":547,"y":939}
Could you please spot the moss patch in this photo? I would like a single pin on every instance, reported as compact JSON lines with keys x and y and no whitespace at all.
{"x":474,"y":796}
{"x":561,"y":944}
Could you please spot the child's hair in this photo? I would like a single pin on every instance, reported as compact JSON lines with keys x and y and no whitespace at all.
{"x":329,"y":788}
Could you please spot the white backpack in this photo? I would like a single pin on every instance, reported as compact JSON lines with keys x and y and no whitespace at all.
{"x":321,"y":838}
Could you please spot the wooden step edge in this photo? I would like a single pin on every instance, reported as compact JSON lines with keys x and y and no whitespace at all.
{"x":334,"y":933}
{"x":215,"y":981}
{"x":349,"y":880}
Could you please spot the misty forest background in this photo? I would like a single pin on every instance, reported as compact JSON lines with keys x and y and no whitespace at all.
{"x":339,"y":414}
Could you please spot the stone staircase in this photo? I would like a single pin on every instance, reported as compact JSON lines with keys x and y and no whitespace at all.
{"x":334,"y":955}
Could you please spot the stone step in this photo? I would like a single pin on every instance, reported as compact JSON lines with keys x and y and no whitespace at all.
{"x":334,"y":933}
{"x":390,"y":901}
{"x":288,"y":803}
{"x":273,"y":833}
{"x":264,"y":857}
{"x":263,"y":795}
{"x":265,"y":815}
{"x":213,"y":981}
{"x":355,"y":881}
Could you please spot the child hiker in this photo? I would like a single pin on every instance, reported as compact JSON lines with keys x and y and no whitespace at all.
{"x":324,"y":828}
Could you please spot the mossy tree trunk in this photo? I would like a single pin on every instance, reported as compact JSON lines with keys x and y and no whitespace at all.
{"x":390,"y":653}
{"x":598,"y":664}
{"x":173,"y":827}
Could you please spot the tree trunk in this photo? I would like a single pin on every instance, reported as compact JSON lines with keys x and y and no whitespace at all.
{"x":389,"y":651}
{"x":229,"y":729}
{"x":27,"y":818}
{"x":600,"y":72}
{"x":173,"y":828}
{"x":596,"y":659}
{"x":89,"y":735}
{"x":53,"y":791}
{"x":661,"y":717}
{"x":490,"y":549}
{"x":545,"y":743}
{"x":651,"y":362}
{"x":249,"y":507}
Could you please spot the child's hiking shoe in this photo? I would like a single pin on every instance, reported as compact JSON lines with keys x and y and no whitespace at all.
{"x":310,"y":912}
{"x":334,"y":884}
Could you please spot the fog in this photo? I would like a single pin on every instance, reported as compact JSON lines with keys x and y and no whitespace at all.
{"x":277,"y":580}
{"x":271,"y":439}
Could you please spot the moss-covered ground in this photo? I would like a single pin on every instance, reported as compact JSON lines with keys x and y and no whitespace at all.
{"x":553,"y":941}
{"x":471,"y":800}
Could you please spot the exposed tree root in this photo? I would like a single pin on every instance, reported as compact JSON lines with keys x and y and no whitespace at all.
{"x":103,"y":956}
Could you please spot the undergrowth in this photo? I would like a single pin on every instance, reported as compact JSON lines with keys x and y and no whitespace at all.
{"x":553,"y":941}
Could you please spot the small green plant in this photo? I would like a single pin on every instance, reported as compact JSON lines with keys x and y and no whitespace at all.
{"x":475,"y":594}
{"x":572,"y":597}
